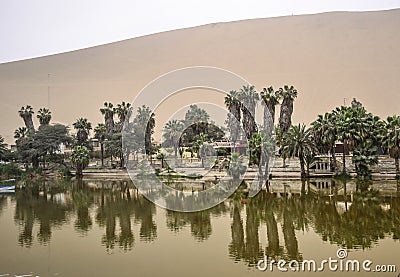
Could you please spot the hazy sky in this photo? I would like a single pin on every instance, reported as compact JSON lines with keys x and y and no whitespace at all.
{"x":42,"y":27}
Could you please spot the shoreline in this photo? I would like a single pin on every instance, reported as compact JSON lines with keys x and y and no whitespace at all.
{"x":276,"y":175}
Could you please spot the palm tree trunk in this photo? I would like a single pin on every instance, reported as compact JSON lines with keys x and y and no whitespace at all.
{"x":302,"y":167}
{"x":79,"y":170}
{"x":109,"y":122}
{"x":333,"y":156}
{"x":266,"y":172}
{"x":29,"y":123}
{"x":344,"y":156}
{"x":396,"y":162}
{"x":102,"y":154}
{"x":269,"y":110}
{"x":285,"y":119}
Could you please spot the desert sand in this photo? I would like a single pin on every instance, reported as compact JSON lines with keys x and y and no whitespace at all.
{"x":328,"y":57}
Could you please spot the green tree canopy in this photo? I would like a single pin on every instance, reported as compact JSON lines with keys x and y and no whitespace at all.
{"x":44,"y":116}
{"x":80,"y":158}
{"x":298,"y":142}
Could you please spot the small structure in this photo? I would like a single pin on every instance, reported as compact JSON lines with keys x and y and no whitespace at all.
{"x":224,"y":148}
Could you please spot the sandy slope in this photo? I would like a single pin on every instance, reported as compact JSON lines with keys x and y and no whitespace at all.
{"x":327,"y":57}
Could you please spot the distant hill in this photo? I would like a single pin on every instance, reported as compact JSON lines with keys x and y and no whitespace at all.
{"x":327,"y":57}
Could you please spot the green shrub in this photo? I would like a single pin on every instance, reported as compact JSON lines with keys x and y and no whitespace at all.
{"x":10,"y":169}
{"x":64,"y":171}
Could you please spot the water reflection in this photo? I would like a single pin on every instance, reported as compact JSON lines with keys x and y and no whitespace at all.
{"x":3,"y":203}
{"x":267,"y":224}
{"x":39,"y":204}
{"x":199,"y":222}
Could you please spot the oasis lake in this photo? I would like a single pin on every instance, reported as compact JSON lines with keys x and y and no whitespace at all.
{"x":107,"y":228}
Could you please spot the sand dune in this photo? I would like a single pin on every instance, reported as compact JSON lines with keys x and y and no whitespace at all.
{"x":327,"y":57}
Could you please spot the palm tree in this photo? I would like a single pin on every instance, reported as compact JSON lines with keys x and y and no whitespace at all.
{"x":172,"y":132}
{"x":122,"y":110}
{"x":83,"y":126}
{"x":325,"y":135}
{"x":21,"y":132}
{"x":233,"y":104}
{"x":100,"y":134}
{"x":144,"y":123}
{"x":236,"y":166}
{"x":149,"y":132}
{"x":108,"y":111}
{"x":3,"y":147}
{"x":80,"y":157}
{"x":26,"y":114}
{"x":161,"y":156}
{"x":343,"y":116}
{"x":270,"y":100}
{"x":44,"y":116}
{"x":262,"y":148}
{"x":354,"y":126}
{"x":298,"y":142}
{"x":364,"y":155}
{"x":249,"y":96}
{"x":391,"y":139}
{"x":285,"y":118}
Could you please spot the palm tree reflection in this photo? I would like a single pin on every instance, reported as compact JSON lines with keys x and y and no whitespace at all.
{"x":357,"y":219}
{"x":45,"y":209}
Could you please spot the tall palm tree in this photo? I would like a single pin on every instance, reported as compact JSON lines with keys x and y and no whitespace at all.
{"x":3,"y":147}
{"x":354,"y":127}
{"x":298,"y":142}
{"x":144,"y":122}
{"x":364,"y":155}
{"x":285,"y":118}
{"x":262,"y":149}
{"x":325,"y":135}
{"x":391,"y":139}
{"x":270,"y":100}
{"x":149,"y":132}
{"x":232,"y":102}
{"x":122,"y":111}
{"x":100,"y":134}
{"x":21,"y":132}
{"x":172,"y":132}
{"x":343,"y":117}
{"x":44,"y":116}
{"x":26,"y":114}
{"x":249,"y":96}
{"x":108,"y":111}
{"x":83,"y":126}
{"x":80,"y":157}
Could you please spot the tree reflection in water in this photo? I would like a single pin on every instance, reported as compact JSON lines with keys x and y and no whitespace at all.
{"x":369,"y":218}
{"x":116,"y":206}
{"x":3,"y":202}
{"x":36,"y":203}
{"x":199,"y":222}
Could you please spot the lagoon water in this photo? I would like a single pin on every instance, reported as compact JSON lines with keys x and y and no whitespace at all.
{"x":106,"y":228}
